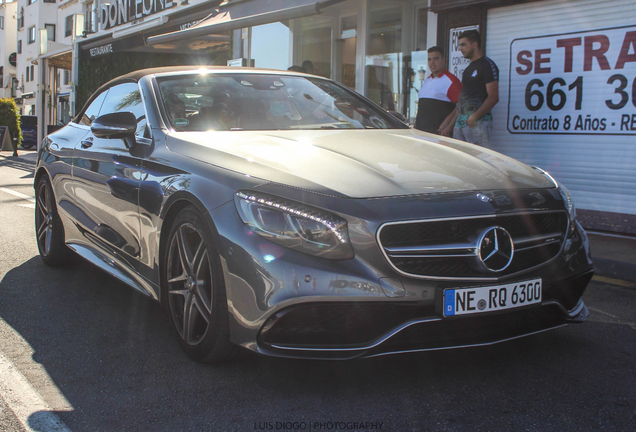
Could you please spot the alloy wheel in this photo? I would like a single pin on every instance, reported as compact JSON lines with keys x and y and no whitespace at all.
{"x":44,"y":218}
{"x":190,"y":283}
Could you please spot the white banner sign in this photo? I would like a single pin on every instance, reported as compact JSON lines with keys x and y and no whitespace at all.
{"x":457,"y":62}
{"x":574,"y":83}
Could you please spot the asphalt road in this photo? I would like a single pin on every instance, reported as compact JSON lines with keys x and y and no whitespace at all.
{"x":102,"y":357}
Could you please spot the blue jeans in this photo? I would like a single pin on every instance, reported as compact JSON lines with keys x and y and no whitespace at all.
{"x":479,"y":134}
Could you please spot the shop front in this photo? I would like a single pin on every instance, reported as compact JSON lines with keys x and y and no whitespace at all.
{"x":377,"y":47}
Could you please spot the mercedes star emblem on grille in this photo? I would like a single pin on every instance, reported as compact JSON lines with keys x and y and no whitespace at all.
{"x":496,"y":249}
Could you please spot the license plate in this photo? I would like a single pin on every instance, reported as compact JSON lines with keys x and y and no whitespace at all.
{"x":487,"y":299}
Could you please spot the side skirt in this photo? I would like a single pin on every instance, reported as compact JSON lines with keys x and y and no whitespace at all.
{"x":116,"y":268}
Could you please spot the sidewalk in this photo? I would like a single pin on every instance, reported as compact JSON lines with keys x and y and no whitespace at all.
{"x":23,"y":156}
{"x":614,"y":256}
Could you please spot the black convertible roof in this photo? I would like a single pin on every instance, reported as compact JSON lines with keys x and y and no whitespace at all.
{"x":138,"y":74}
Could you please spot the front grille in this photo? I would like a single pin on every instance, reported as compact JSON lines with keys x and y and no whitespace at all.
{"x":473,"y":330}
{"x":448,"y":248}
{"x":345,"y":330}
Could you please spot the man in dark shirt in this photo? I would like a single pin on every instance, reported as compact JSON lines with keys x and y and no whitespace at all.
{"x":480,"y":92}
{"x":438,"y":95}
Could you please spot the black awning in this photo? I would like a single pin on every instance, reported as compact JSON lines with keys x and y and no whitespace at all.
{"x":244,"y":14}
{"x":62,"y":60}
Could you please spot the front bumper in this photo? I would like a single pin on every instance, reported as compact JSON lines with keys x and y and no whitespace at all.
{"x":344,"y":331}
{"x":285,"y":303}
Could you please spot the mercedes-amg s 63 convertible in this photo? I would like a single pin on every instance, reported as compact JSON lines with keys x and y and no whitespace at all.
{"x":283,"y":213}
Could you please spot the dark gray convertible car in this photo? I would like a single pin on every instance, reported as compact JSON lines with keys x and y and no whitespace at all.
{"x":286,"y":214}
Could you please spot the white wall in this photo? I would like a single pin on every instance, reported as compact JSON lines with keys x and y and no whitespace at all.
{"x":598,"y":169}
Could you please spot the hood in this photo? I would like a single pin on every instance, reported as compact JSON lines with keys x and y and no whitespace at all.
{"x":359,"y":163}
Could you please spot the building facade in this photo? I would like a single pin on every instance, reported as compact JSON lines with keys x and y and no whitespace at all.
{"x":36,"y":22}
{"x":8,"y":55}
{"x":567,"y":73}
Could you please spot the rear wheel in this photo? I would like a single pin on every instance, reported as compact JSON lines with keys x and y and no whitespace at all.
{"x":195,"y":291}
{"x":48,"y":226}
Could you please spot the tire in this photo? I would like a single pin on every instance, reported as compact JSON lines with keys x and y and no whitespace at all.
{"x":48,"y":226}
{"x":195,"y":291}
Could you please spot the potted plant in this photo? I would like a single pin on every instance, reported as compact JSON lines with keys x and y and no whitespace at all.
{"x":10,"y":117}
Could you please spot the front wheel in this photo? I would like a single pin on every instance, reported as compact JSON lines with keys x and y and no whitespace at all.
{"x":195,"y":291}
{"x":48,"y":226}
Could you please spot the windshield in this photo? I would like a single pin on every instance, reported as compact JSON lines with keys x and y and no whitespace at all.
{"x":224,"y":102}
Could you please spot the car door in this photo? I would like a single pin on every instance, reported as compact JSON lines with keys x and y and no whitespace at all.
{"x":60,"y":156}
{"x":106,"y":178}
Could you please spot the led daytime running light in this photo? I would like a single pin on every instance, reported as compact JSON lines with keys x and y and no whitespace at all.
{"x":306,"y":215}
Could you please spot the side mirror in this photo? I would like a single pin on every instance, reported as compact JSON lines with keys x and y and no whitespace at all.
{"x":399,"y":116}
{"x":115,"y":125}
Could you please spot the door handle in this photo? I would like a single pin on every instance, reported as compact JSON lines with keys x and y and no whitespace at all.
{"x":87,"y":143}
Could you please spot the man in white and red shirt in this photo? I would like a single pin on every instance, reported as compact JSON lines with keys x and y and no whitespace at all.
{"x":438,"y":95}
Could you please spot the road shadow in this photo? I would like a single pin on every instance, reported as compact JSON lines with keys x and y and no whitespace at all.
{"x":112,"y":353}
{"x":22,"y":163}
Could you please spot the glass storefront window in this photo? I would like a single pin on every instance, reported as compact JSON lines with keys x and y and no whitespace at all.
{"x":315,"y":45}
{"x":270,"y":46}
{"x":384,"y":60}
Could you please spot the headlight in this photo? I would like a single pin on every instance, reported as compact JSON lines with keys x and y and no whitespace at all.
{"x":294,"y":225}
{"x":567,"y":200}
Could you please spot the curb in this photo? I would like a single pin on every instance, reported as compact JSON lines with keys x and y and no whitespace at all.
{"x":614,"y":269}
{"x":613,"y":256}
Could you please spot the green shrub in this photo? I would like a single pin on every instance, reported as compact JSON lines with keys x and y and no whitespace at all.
{"x":10,"y":116}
